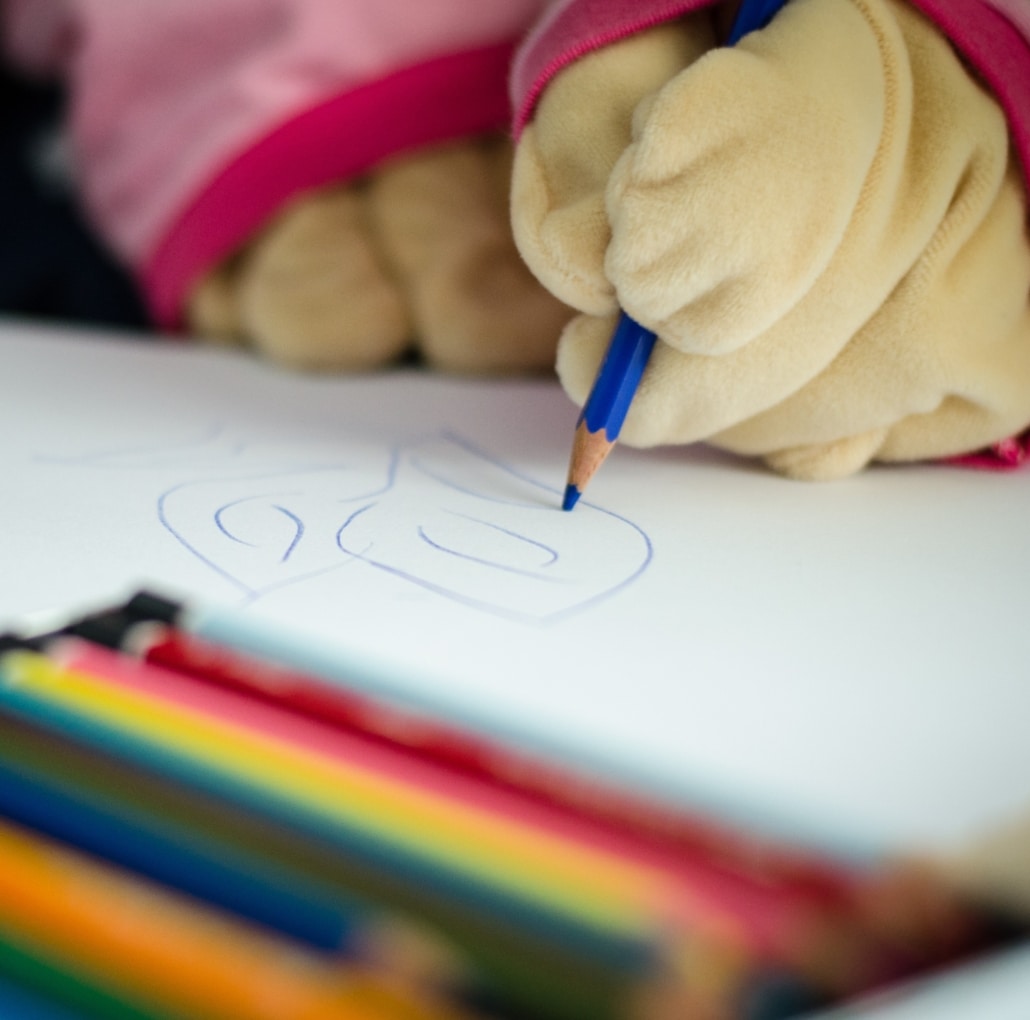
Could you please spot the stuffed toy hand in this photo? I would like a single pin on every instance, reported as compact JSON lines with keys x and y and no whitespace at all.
{"x":417,"y":256}
{"x":825,"y":225}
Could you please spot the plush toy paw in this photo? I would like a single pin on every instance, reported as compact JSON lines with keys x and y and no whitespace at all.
{"x":824,"y":225}
{"x":311,"y":291}
{"x":418,"y":256}
{"x":566,"y":156}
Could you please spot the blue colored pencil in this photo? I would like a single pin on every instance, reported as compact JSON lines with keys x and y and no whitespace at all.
{"x":630,"y":348}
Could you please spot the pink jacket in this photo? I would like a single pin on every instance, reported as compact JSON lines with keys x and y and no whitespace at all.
{"x":193,"y":120}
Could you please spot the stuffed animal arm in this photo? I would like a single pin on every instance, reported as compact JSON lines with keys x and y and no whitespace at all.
{"x":826,"y":226}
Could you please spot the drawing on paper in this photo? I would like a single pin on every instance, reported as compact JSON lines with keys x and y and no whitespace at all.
{"x":434,"y":512}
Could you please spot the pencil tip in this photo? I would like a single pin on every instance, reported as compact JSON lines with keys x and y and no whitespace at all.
{"x":571,"y":497}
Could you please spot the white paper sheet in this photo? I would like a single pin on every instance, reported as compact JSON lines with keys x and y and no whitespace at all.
{"x":846,"y":662}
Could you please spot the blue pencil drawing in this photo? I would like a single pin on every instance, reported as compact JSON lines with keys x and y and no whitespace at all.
{"x":435,"y":512}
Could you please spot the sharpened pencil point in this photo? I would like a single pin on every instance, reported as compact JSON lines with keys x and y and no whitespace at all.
{"x":589,"y":449}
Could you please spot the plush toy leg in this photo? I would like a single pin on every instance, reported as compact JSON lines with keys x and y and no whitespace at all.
{"x":212,"y":311}
{"x":311,"y":291}
{"x":442,"y":216}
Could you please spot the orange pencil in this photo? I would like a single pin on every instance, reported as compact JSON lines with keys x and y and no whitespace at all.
{"x":165,"y":953}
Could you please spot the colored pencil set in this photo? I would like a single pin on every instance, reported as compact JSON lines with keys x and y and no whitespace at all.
{"x":191,"y":829}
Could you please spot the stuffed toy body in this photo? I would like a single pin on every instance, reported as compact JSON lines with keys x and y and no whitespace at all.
{"x":826,"y":226}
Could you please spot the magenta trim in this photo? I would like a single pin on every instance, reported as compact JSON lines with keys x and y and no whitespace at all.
{"x":450,"y":97}
{"x":592,"y":24}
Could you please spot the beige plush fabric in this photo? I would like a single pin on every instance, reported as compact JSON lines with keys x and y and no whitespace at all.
{"x":825,"y":226}
{"x":417,"y":257}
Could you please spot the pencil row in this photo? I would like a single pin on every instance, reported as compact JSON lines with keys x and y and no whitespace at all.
{"x":189,"y":830}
